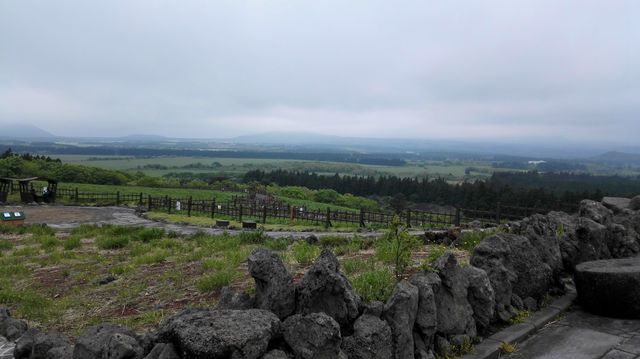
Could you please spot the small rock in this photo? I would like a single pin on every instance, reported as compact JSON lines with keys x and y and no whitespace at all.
{"x":95,"y":342}
{"x":371,"y":339}
{"x":530,"y":304}
{"x":229,"y":299}
{"x":106,"y":280}
{"x":11,"y":328}
{"x":374,"y":308}
{"x":163,"y":351}
{"x":312,"y":239}
{"x":276,"y":354}
{"x":313,"y":336}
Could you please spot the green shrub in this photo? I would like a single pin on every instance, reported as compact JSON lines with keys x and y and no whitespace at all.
{"x":471,"y":239}
{"x":375,"y":284}
{"x":5,"y":245}
{"x":72,"y":242}
{"x":216,"y":280}
{"x":112,"y":242}
{"x":396,"y":246}
{"x":253,"y":237}
{"x":151,"y":258}
{"x":304,"y":253}
{"x":333,"y":241}
{"x":433,"y":254}
{"x":277,"y":244}
{"x":148,"y":234}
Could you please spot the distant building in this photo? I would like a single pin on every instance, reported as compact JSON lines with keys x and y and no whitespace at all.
{"x":536,"y":162}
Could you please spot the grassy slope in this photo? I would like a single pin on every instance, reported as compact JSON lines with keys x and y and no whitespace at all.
{"x":53,"y":279}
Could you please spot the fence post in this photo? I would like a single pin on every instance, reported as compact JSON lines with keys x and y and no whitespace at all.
{"x":140,"y":200}
{"x":117,"y":198}
{"x":77,"y":199}
{"x":167,"y":203}
{"x":264,"y":214}
{"x":213,"y":207}
{"x":408,"y":218}
{"x":240,"y":213}
{"x":189,"y":206}
{"x":149,"y":204}
{"x":498,"y":213}
{"x":327,"y":223}
{"x":361,"y":218}
{"x":457,"y":217}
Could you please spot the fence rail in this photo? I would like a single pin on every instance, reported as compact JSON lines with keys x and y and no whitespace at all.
{"x":267,"y":208}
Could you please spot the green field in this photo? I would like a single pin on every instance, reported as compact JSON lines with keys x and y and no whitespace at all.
{"x":452,"y":171}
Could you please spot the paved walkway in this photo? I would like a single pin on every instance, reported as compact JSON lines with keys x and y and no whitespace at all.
{"x":580,"y":335}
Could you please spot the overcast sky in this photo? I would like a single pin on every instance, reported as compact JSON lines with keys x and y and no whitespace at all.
{"x":422,"y":69}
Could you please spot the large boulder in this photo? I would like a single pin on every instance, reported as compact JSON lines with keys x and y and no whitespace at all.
{"x":595,"y":211}
{"x":426,"y":316}
{"x":543,"y":236}
{"x":371,"y":339}
{"x":622,"y":242}
{"x":35,"y":344}
{"x":313,"y":336}
{"x":108,"y":341}
{"x":400,"y":312}
{"x":514,"y":268}
{"x":634,"y":204}
{"x":454,"y":313}
{"x":324,"y":289}
{"x":274,"y":285}
{"x":480,"y":296}
{"x":616,"y":204}
{"x":200,"y":334}
{"x":11,"y":328}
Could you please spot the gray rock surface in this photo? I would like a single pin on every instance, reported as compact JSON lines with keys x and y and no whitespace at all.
{"x":616,"y":204}
{"x":426,"y":316}
{"x":199,"y":334}
{"x":35,"y":344}
{"x":400,"y":313}
{"x":371,"y":339}
{"x":312,"y":336}
{"x":610,"y":287}
{"x":276,"y":354}
{"x":595,"y":211}
{"x":95,"y":342}
{"x":122,"y":346}
{"x":274,"y":285}
{"x":455,"y":314}
{"x":542,"y":233}
{"x":230,"y":299}
{"x":513,"y":267}
{"x":11,"y":328}
{"x":480,"y":296}
{"x":324,"y":289}
{"x":163,"y":351}
{"x":634,"y":204}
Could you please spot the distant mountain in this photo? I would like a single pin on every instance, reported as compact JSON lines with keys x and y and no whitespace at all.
{"x":618,"y":158}
{"x":143,"y":138}
{"x":19,"y":131}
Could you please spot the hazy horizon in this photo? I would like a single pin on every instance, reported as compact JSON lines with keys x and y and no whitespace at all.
{"x":530,"y":71}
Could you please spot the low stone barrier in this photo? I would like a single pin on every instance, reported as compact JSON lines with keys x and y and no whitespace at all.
{"x":434,"y":312}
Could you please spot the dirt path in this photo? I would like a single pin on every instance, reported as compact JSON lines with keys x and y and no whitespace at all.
{"x":68,"y":217}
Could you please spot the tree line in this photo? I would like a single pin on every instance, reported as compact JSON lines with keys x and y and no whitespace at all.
{"x":527,"y":189}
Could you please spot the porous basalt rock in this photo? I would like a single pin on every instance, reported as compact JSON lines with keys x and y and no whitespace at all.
{"x":107,"y":341}
{"x":11,"y":328}
{"x":200,"y":334}
{"x":371,"y":339}
{"x":230,"y":299}
{"x":274,"y":285}
{"x":313,"y":336}
{"x":400,"y":312}
{"x":324,"y":289}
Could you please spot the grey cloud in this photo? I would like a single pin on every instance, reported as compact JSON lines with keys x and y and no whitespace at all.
{"x":377,"y":68}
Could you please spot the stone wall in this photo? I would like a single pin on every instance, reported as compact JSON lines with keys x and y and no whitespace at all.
{"x":322,"y":317}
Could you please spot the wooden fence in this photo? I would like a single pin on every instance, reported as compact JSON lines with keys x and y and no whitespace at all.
{"x":263,"y":209}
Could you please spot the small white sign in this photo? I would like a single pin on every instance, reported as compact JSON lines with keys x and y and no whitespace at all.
{"x":6,"y":215}
{"x":17,"y":214}
{"x":219,"y":206}
{"x":178,"y":205}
